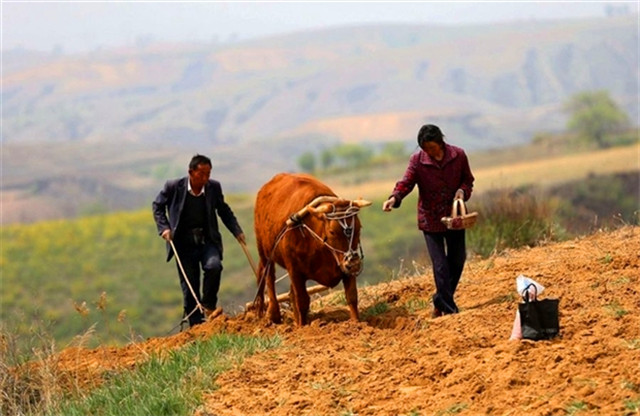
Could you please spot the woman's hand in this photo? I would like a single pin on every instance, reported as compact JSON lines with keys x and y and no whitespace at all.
{"x":459,"y":194}
{"x":388,"y":204}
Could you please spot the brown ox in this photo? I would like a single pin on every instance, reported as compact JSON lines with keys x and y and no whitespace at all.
{"x":301,"y":225}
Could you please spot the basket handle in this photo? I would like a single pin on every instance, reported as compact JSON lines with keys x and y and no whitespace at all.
{"x":454,"y":208}
{"x":525,"y":293}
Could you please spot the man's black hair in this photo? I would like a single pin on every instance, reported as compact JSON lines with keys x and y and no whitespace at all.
{"x":199,"y":160}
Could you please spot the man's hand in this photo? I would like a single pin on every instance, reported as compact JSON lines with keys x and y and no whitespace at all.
{"x":241,"y":239}
{"x":459,"y":194}
{"x":166,"y":235}
{"x":388,"y":204}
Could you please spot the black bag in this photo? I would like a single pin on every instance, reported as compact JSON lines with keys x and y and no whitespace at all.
{"x":538,"y":318}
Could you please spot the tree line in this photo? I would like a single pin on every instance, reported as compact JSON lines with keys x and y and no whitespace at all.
{"x":352,"y":155}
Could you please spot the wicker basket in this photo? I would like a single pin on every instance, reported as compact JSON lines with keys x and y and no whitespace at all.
{"x":462,"y":220}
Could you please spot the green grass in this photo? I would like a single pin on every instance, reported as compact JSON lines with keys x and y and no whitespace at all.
{"x":633,"y":405}
{"x":109,"y":270}
{"x":575,"y":407}
{"x":416,"y":304}
{"x":168,"y":386}
{"x":453,"y":409}
{"x":607,"y":259}
{"x":616,"y":309}
{"x":374,"y":310}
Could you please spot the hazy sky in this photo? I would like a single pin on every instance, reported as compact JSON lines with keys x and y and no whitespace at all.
{"x":80,"y":26}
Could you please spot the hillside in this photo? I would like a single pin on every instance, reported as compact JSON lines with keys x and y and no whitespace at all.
{"x":374,"y":82}
{"x":100,"y":131}
{"x":120,"y":254}
{"x":400,"y":361}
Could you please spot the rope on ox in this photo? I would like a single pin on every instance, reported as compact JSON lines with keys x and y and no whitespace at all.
{"x":348,"y":231}
{"x":295,"y":222}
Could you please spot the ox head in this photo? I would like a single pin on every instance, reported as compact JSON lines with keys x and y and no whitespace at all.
{"x":334,"y":221}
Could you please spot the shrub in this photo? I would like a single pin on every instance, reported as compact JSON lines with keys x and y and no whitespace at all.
{"x":511,"y":219}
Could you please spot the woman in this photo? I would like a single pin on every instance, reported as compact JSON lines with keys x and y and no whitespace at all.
{"x":442,"y":174}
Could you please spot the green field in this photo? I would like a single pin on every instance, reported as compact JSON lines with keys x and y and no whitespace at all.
{"x":110,"y":270}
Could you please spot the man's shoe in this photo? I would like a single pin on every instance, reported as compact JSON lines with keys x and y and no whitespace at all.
{"x":436,"y":313}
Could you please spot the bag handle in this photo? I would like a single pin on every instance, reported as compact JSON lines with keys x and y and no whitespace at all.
{"x":454,"y":210}
{"x":525,"y":292}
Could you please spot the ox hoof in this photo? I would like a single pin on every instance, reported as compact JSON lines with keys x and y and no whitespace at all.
{"x":277,"y":319}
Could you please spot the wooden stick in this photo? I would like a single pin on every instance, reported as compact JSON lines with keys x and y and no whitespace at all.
{"x":286,"y":296}
{"x":195,"y":297}
{"x":310,"y":290}
{"x":253,"y":266}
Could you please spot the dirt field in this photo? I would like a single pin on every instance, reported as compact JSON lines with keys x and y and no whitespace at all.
{"x":400,"y":361}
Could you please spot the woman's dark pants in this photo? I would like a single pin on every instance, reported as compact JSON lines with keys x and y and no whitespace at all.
{"x":193,"y":257}
{"x":448,"y":254}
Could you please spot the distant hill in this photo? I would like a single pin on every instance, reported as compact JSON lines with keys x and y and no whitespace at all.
{"x":124,"y":119}
{"x":491,"y":84}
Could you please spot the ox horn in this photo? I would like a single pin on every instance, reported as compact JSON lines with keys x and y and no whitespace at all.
{"x":358,"y":203}
{"x":321,"y":200}
{"x":361,"y":203}
{"x":296,"y":217}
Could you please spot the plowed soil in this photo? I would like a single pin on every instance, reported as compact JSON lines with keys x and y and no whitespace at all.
{"x":400,"y":361}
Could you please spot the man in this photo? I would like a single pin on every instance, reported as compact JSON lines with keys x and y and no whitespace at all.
{"x":192,"y":224}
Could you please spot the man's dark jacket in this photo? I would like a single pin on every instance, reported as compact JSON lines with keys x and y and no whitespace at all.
{"x":171,"y":200}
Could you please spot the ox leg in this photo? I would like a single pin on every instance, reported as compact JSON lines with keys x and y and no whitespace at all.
{"x":351,"y":293}
{"x":300,"y":299}
{"x":274,"y":306}
{"x":294,"y":304}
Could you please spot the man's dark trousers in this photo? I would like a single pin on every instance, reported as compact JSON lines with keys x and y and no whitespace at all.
{"x":193,"y":256}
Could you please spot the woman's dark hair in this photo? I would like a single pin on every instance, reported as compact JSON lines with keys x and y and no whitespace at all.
{"x":199,"y":160}
{"x":430,"y":133}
